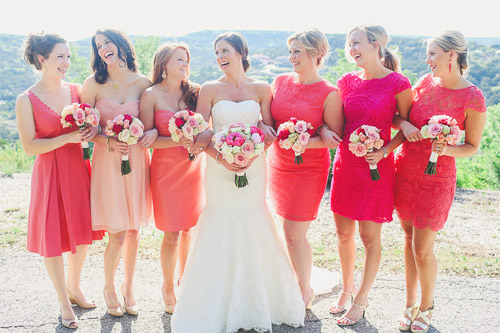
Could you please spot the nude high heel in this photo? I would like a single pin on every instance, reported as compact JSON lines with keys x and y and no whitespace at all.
{"x":311,"y":300}
{"x":76,"y":301}
{"x":131,"y":310}
{"x":116,"y":312}
{"x":169,"y":308}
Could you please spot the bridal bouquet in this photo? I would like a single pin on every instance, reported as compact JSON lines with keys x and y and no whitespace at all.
{"x":188,"y":124}
{"x":129,"y":130}
{"x":362,"y":141}
{"x":238,"y":143}
{"x":443,"y":129}
{"x":295,"y":134}
{"x":80,"y":115}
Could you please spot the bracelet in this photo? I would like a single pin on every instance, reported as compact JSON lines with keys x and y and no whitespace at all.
{"x":385,"y":152}
{"x":217,"y":157}
{"x":320,"y":127}
{"x":99,"y":129}
{"x":110,"y":149}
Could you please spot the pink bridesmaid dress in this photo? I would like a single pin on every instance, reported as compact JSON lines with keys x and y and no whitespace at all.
{"x":296,"y":190}
{"x":365,"y":102}
{"x":423,"y":199}
{"x":119,"y":203}
{"x":177,"y":184}
{"x":59,"y":213}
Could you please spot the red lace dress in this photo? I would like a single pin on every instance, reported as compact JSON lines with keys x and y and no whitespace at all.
{"x":426,"y":200}
{"x":59,"y":213}
{"x":296,"y":189}
{"x":353,"y":193}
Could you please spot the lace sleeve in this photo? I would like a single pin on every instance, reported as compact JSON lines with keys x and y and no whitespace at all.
{"x":402,"y":84}
{"x":475,"y":101}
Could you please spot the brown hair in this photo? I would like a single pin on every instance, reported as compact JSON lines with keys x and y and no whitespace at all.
{"x":126,"y":53}
{"x":239,"y":43}
{"x":162,"y":56}
{"x":315,"y":43}
{"x":40,"y":44}
{"x":452,"y":40}
{"x":377,"y":33}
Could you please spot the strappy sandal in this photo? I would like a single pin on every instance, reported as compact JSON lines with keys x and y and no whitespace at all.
{"x":408,"y":317}
{"x":350,"y":322}
{"x":336,"y":309}
{"x":422,"y":327}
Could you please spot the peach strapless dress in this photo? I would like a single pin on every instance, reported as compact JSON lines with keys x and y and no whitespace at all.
{"x":176,"y":183}
{"x":119,"y":203}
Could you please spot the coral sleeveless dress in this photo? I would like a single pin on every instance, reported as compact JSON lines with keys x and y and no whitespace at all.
{"x":119,"y":203}
{"x":296,"y":189}
{"x":423,"y":199}
{"x":177,"y":184}
{"x":366,"y":102}
{"x":59,"y":213}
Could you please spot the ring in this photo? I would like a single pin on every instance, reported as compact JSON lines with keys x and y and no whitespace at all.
{"x":201,"y":148}
{"x":437,"y":149}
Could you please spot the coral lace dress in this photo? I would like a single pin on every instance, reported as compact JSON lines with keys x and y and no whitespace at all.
{"x":423,"y":199}
{"x":366,"y":102}
{"x":177,"y":184}
{"x":296,"y":189}
{"x":119,"y":203}
{"x":59,"y":213}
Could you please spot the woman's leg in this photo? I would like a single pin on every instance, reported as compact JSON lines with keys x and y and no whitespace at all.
{"x":168,"y":256}
{"x":75,"y":267}
{"x":111,"y":260}
{"x":130,"y":250}
{"x":184,"y":246}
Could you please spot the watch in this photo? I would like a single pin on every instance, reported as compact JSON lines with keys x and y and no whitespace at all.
{"x":385,"y":152}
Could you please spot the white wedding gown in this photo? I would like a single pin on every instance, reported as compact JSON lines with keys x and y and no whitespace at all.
{"x":237,"y":275}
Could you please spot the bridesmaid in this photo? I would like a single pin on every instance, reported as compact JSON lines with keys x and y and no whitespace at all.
{"x":60,"y":176}
{"x":371,"y":96}
{"x":176,"y":182}
{"x":120,"y":204}
{"x":444,"y":91}
{"x":305,"y":95}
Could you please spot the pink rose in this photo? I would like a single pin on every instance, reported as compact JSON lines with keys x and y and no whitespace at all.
{"x":434,"y":129}
{"x":79,"y":115}
{"x":248,"y":147}
{"x":304,"y":138}
{"x":187,"y":131}
{"x":358,"y":149}
{"x":455,"y":130}
{"x":219,"y":139}
{"x":373,"y":134}
{"x":301,"y":126}
{"x":256,"y":138}
{"x":298,"y":148}
{"x":379,"y":143}
{"x":192,"y":121}
{"x":369,"y":143}
{"x":240,"y":159}
{"x":289,"y":126}
{"x":182,"y":115}
{"x":362,"y":137}
{"x":286,"y":144}
{"x":451,"y":140}
{"x":441,"y":138}
{"x":136,"y":130}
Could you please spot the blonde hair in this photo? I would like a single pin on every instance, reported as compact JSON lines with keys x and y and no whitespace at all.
{"x":452,"y":40}
{"x":162,"y":56}
{"x":377,"y":33}
{"x":315,"y":43}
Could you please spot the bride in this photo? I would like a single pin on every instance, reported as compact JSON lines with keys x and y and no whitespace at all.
{"x":237,"y":275}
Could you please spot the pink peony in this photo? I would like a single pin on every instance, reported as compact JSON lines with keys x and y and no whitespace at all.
{"x":235,"y":139}
{"x":358,"y":149}
{"x":304,"y":138}
{"x":241,"y":159}
{"x":248,"y":147}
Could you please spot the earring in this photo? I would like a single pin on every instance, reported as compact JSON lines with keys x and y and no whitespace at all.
{"x":449,"y":68}
{"x":122,"y":62}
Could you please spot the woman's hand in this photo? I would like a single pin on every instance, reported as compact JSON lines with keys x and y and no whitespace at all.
{"x":411,"y":133}
{"x":89,"y":132}
{"x":74,"y":137}
{"x":148,"y":138}
{"x":121,"y":147}
{"x":440,"y":148}
{"x":329,"y":138}
{"x":375,"y":156}
{"x":200,"y":143}
{"x":269,"y":132}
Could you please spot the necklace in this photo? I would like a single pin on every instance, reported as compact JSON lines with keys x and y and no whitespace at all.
{"x":115,"y":85}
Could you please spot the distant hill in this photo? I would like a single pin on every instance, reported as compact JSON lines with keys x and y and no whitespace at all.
{"x":269,"y":57}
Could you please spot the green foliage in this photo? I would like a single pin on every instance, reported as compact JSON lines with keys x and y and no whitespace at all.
{"x":13,"y":159}
{"x":80,"y":67}
{"x":145,"y":48}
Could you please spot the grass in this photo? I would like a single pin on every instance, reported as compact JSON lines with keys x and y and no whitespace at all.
{"x":13,"y":159}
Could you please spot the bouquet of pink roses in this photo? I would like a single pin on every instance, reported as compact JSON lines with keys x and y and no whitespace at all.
{"x":362,"y":141}
{"x":295,"y":134}
{"x":80,"y":115}
{"x":443,"y":129}
{"x":129,"y":130}
{"x":188,"y":124}
{"x":238,"y":143}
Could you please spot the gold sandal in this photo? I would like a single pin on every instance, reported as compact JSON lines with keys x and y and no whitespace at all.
{"x":422,"y":327}
{"x":336,"y":309}
{"x":408,"y":317}
{"x":351,"y":322}
{"x":311,"y":300}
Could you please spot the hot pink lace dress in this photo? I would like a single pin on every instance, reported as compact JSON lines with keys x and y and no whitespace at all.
{"x":426,"y":200}
{"x":296,"y":189}
{"x":353,"y":193}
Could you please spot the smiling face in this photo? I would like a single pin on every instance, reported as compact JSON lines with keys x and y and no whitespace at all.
{"x":300,"y":59}
{"x":227,"y":57}
{"x":438,"y":60}
{"x":361,"y":50}
{"x":58,"y":61}
{"x":178,"y":64}
{"x":106,"y":49}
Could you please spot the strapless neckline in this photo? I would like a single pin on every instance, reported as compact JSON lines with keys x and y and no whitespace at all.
{"x":240,"y":102}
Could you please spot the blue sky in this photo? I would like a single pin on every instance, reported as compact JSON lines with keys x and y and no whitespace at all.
{"x":79,"y":19}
